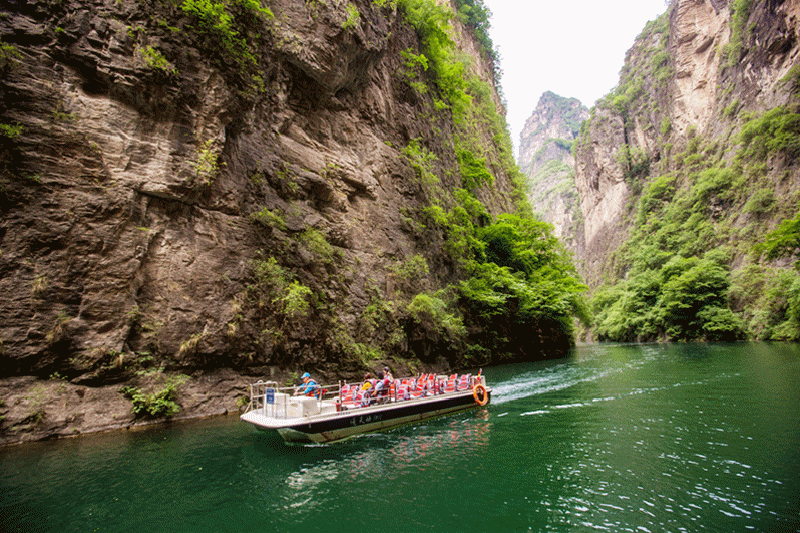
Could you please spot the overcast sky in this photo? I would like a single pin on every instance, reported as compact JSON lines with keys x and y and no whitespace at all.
{"x":574,"y":48}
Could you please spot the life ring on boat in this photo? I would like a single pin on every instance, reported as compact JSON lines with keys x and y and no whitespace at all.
{"x":481,"y":398}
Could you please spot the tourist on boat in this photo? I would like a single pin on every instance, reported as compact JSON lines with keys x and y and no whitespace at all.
{"x":382,"y":385}
{"x":367,"y":390}
{"x":308,"y":388}
{"x":387,"y":374}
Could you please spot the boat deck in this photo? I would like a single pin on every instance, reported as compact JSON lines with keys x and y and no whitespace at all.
{"x":344,"y":410}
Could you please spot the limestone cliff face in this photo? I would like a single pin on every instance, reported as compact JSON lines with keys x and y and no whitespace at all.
{"x":545,"y":156}
{"x":154,"y":166}
{"x":691,"y":77}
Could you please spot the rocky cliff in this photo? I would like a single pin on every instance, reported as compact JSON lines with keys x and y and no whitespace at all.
{"x":193,"y":193}
{"x":545,"y":156}
{"x":687,"y":165}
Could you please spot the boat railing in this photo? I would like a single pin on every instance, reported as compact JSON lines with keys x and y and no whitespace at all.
{"x":283,"y":402}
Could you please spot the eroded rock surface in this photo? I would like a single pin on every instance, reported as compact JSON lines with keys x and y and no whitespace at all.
{"x":158,"y":168}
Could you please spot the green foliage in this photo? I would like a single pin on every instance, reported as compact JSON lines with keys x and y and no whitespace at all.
{"x":8,"y":56}
{"x":475,"y":15}
{"x":316,"y":242}
{"x":656,"y":195}
{"x":275,"y":289}
{"x":295,"y":299}
{"x":158,"y":404}
{"x":226,"y":26}
{"x":522,"y":282}
{"x":473,"y":170}
{"x":10,"y":131}
{"x":740,"y":12}
{"x":270,"y":274}
{"x":784,"y":241}
{"x":635,"y":164}
{"x":686,"y":299}
{"x":770,"y":298}
{"x":37,"y":401}
{"x":431,"y":312}
{"x":421,"y":160}
{"x":792,"y":79}
{"x":412,"y":269}
{"x":666,"y":125}
{"x":760,"y":201}
{"x":414,"y":61}
{"x":353,"y":17}
{"x":207,"y":163}
{"x":523,"y":245}
{"x":776,"y":131}
{"x":269,"y":218}
{"x":432,"y":22}
{"x":156,"y":60}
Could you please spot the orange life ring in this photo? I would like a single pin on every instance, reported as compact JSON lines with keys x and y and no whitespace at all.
{"x":484,"y":398}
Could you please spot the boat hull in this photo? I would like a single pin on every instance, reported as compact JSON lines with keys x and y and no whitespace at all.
{"x":342,"y":425}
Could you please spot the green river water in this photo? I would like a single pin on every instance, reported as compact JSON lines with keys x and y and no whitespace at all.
{"x":614,"y":438}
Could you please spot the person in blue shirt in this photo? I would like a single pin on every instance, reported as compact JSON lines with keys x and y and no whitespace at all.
{"x":309,"y":386}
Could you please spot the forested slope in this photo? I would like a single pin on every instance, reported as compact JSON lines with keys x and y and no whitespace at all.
{"x":687,"y":172}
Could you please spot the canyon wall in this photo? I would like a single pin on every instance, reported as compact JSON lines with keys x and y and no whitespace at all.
{"x":695,"y":75}
{"x":217,"y":195}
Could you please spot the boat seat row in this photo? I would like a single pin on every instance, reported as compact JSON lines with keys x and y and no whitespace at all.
{"x":353,"y":395}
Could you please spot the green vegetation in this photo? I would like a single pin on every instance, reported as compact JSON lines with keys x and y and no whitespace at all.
{"x":269,"y":218}
{"x":431,"y":312}
{"x":8,"y":56}
{"x":10,"y":131}
{"x":279,"y":297}
{"x":674,"y":272}
{"x":685,"y":299}
{"x":413,"y":269}
{"x":474,"y":273}
{"x":522,"y":281}
{"x":156,"y":60}
{"x":740,"y":12}
{"x":157,"y":404}
{"x":776,"y":131}
{"x":475,"y":15}
{"x":207,"y":164}
{"x":782,"y":242}
{"x":229,"y":30}
{"x":353,"y":17}
{"x":37,"y":400}
{"x":473,"y":170}
{"x":316,"y":242}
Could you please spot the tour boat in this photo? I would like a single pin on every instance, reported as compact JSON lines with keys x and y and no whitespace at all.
{"x":341,"y":411}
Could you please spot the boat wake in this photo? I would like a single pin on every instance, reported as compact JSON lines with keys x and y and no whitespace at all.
{"x":534,"y":383}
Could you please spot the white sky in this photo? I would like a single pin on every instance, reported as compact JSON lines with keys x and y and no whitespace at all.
{"x":574,"y":48}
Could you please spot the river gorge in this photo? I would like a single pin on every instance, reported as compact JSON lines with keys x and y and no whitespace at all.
{"x":683,"y":437}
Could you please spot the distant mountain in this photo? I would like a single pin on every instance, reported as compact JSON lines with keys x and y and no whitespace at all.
{"x":545,"y":156}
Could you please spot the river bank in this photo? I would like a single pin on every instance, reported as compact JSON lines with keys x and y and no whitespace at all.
{"x":35,"y":409}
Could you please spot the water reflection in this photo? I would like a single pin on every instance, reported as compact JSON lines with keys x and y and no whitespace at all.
{"x":307,"y":480}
